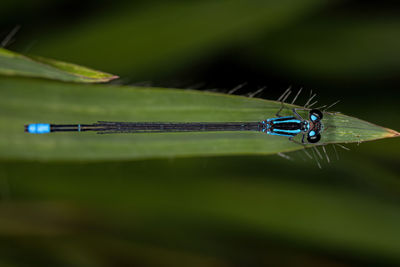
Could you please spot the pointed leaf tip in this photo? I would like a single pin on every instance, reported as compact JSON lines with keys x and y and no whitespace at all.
{"x":340,"y":128}
{"x":391,"y":133}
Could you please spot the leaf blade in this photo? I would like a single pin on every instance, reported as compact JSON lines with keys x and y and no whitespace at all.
{"x":26,"y":101}
{"x":14,"y":64}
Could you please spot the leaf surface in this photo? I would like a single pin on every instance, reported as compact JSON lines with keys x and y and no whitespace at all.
{"x":24,"y":101}
{"x":14,"y":64}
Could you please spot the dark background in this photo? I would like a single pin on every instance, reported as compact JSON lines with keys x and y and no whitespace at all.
{"x":219,"y":211}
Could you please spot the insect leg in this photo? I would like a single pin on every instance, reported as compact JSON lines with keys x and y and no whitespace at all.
{"x":297,"y":114}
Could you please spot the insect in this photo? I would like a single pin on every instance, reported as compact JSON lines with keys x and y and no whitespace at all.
{"x":288,"y":126}
{"x":291,"y":126}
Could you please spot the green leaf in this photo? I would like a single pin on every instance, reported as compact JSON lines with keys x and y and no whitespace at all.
{"x":24,"y":101}
{"x":14,"y":64}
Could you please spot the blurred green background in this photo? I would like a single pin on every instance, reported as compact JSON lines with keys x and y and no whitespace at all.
{"x":217,"y":211}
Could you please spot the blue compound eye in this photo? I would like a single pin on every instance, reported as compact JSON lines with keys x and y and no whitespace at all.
{"x":313,"y":137}
{"x":315,"y":115}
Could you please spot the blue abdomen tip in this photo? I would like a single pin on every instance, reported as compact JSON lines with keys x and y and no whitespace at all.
{"x":38,"y":128}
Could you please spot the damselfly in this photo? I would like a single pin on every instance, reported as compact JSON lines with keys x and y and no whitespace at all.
{"x":287,"y":126}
